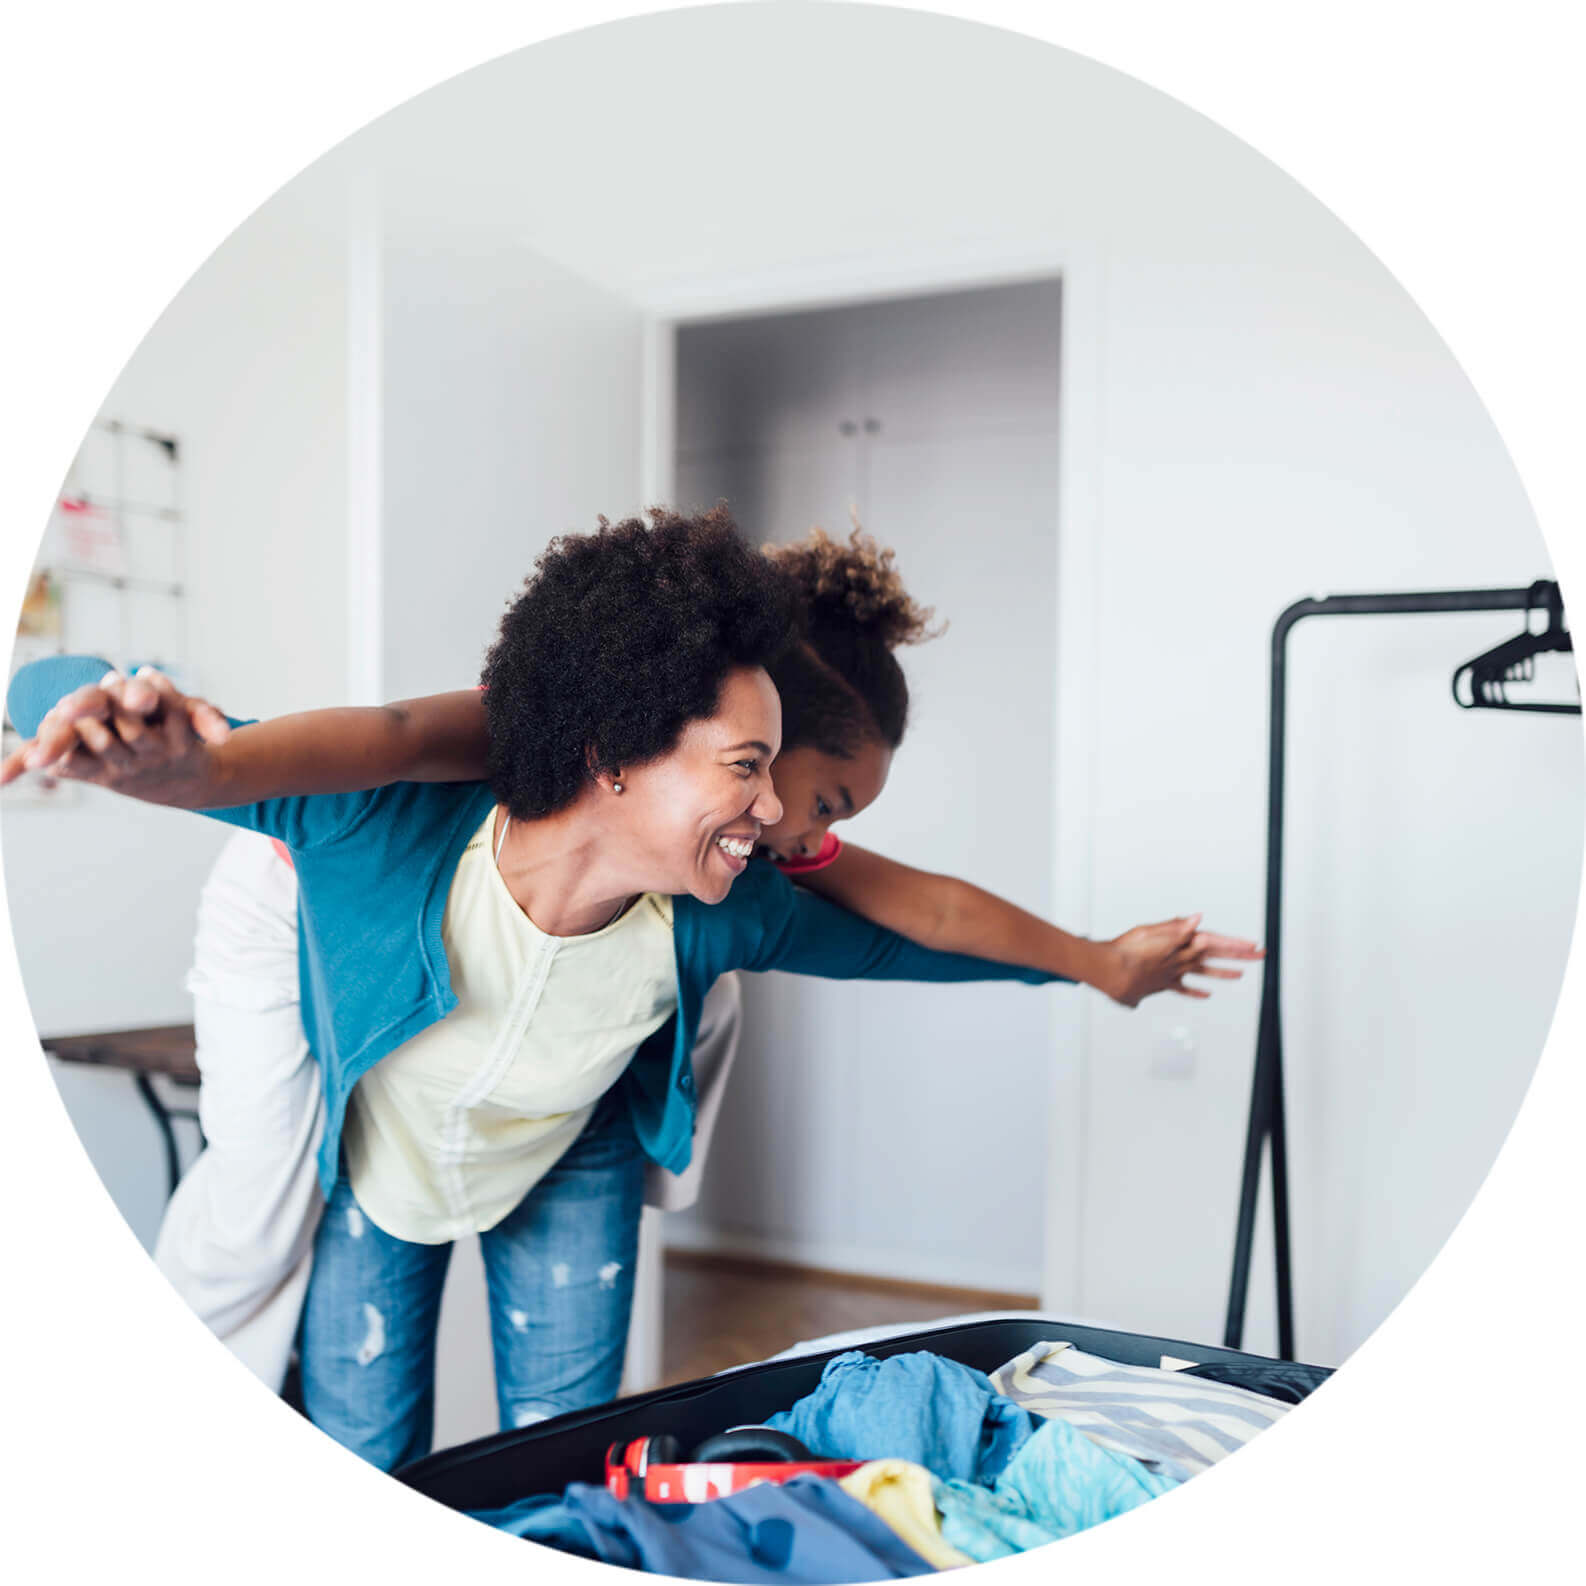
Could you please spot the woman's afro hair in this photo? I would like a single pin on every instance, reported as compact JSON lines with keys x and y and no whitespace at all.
{"x":619,"y":639}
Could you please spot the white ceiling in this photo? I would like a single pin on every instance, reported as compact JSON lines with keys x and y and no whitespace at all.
{"x":678,"y":155}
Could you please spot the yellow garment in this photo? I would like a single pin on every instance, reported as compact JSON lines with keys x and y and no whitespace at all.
{"x":447,"y":1135}
{"x":900,"y":1493}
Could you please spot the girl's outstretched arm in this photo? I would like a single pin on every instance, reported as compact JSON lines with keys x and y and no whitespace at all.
{"x":953,"y":916}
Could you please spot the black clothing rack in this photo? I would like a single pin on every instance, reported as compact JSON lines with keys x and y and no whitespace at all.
{"x":1266,"y":1126}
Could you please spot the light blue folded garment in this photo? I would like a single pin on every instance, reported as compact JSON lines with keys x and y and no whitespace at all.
{"x":920,"y":1407}
{"x":1058,"y":1482}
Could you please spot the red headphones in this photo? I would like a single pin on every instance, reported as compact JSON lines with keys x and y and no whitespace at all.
{"x":726,"y":1463}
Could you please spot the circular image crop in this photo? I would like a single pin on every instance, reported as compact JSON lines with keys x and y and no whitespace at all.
{"x":801,"y":688}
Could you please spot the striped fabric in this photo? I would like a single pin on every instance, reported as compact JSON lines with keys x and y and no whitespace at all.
{"x":1174,"y":1424}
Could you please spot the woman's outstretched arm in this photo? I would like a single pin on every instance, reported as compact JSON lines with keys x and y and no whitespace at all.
{"x":953,"y":916}
{"x":142,"y":737}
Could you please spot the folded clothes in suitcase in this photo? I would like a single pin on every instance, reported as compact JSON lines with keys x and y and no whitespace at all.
{"x":493,"y":1472}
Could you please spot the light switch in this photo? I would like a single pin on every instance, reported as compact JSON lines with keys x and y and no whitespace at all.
{"x":1173,"y":1056}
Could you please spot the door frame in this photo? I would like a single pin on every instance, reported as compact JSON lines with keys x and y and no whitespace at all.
{"x":1075,"y":641}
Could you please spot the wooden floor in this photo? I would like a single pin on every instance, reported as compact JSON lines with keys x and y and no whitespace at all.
{"x":723,"y":1311}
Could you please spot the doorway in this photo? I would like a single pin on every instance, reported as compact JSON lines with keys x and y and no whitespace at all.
{"x":890,"y":1130}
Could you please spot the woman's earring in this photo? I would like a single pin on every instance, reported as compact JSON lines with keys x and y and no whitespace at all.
{"x":616,"y":787}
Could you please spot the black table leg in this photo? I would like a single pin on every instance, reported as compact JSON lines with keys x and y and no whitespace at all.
{"x":151,"y":1099}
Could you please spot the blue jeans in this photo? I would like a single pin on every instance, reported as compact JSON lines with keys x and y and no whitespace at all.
{"x":560,"y":1274}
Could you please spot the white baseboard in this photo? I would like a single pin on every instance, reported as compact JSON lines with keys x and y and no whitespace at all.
{"x":902,"y":1266}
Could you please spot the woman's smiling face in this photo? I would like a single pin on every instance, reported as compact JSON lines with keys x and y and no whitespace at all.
{"x":817,"y":789}
{"x":690,"y":819}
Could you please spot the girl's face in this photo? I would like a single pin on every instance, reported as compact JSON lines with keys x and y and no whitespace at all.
{"x":817,"y":789}
{"x":691,"y":819}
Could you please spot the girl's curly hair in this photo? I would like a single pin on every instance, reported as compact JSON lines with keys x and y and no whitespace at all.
{"x":843,"y":683}
{"x":618,"y":640}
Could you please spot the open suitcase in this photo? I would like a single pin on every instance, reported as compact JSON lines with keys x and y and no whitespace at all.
{"x":492,"y":1472}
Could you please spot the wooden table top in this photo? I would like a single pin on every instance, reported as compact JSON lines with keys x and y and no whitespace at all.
{"x":163,"y":1049}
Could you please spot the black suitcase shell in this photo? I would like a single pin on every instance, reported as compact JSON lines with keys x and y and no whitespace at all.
{"x":491,"y":1472}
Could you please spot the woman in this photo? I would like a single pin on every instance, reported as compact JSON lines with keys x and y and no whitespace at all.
{"x":845,"y":702}
{"x":504,"y":980}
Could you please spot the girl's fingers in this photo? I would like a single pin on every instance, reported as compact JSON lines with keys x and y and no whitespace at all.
{"x":134,"y":707}
{"x":167,"y":728}
{"x":160,"y":688}
{"x":178,"y":732}
{"x":77,"y":765}
{"x":1190,"y":991}
{"x":107,"y":725}
{"x":137,"y":732}
{"x":98,"y":738}
{"x":57,"y":733}
{"x":138,"y":694}
{"x":198,"y":715}
{"x":167,"y":720}
{"x":208,"y":722}
{"x":14,"y":764}
{"x":1228,"y":946}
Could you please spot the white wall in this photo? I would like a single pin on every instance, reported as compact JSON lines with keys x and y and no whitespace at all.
{"x":247,"y":367}
{"x":508,"y":399}
{"x":1263,"y":415}
{"x":1266,"y":416}
{"x":511,"y":399}
{"x":838,"y":1095}
{"x":510,"y":394}
{"x":1280,"y":422}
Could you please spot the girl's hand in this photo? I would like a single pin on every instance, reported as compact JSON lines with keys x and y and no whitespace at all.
{"x":1153,"y":958}
{"x":136,"y":735}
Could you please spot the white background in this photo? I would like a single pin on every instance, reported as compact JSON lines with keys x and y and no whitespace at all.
{"x":425,"y":354}
{"x":167,"y":134}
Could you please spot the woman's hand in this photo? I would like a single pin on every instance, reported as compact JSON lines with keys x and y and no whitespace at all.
{"x":136,"y":735}
{"x":1153,"y":958}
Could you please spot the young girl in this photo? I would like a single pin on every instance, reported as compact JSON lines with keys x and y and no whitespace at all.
{"x":237,"y":1235}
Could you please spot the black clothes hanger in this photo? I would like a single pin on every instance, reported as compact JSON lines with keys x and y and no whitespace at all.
{"x":1487,"y":677}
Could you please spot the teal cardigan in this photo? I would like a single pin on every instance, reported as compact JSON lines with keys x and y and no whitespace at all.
{"x":375,"y":869}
